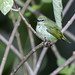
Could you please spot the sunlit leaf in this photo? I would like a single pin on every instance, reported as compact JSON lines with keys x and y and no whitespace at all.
{"x":57,"y":6}
{"x":5,"y":6}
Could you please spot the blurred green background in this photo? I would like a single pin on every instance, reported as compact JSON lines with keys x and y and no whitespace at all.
{"x":49,"y":62}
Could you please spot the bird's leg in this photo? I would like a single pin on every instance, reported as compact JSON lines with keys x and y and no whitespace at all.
{"x":47,"y":43}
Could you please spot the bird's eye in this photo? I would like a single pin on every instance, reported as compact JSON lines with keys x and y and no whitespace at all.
{"x":42,"y":20}
{"x":39,"y":20}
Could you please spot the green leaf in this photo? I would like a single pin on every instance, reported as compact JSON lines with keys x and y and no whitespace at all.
{"x":35,"y":7}
{"x":60,"y":61}
{"x":57,"y":6}
{"x":46,"y":1}
{"x":5,"y":6}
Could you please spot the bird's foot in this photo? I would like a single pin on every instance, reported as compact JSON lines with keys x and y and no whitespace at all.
{"x":48,"y":43}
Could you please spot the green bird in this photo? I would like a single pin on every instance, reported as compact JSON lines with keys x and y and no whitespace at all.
{"x":49,"y":30}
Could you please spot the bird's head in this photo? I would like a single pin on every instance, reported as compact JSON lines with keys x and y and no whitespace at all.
{"x":41,"y":20}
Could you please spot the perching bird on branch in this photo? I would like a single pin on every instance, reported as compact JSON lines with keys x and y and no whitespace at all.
{"x":49,"y":30}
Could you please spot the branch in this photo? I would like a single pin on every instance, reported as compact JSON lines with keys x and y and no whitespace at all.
{"x":72,"y":58}
{"x":32,"y":45}
{"x":26,"y":57}
{"x":19,"y":2}
{"x":70,"y":35}
{"x":55,"y":51}
{"x":67,"y":7}
{"x":12,"y":37}
{"x":68,"y":24}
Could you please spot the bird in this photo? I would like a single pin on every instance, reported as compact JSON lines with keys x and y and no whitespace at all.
{"x":48,"y":29}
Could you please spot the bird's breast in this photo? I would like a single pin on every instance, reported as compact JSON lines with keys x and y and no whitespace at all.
{"x":42,"y":31}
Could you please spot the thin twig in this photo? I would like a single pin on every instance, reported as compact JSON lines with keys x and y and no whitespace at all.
{"x":19,"y":2}
{"x":70,"y":35}
{"x":18,"y":40}
{"x":26,"y":57}
{"x":55,"y":51}
{"x":68,"y":24}
{"x":67,"y":7}
{"x":33,"y":2}
{"x":17,"y":34}
{"x":12,"y":37}
{"x":40,"y":60}
{"x":32,"y":45}
{"x":16,"y":10}
{"x":55,"y":72}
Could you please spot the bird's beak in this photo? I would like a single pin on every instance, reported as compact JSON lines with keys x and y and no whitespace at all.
{"x":37,"y":20}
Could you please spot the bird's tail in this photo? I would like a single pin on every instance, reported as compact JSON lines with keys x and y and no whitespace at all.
{"x":64,"y":38}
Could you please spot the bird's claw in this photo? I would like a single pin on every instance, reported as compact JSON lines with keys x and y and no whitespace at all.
{"x":47,"y":43}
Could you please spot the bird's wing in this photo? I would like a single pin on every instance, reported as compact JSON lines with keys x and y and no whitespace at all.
{"x":55,"y":33}
{"x":51,"y":24}
{"x":54,"y":30}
